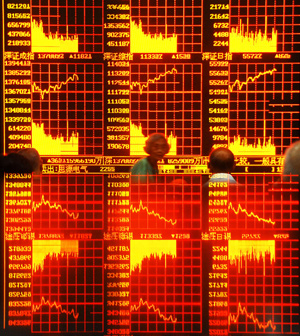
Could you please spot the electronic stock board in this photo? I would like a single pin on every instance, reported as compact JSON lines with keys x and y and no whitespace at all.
{"x":87,"y":252}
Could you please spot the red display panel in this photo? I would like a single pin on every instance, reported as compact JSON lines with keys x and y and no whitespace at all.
{"x":67,"y":104}
{"x":253,"y":273}
{"x":67,"y":285}
{"x":166,"y":98}
{"x":87,"y":249}
{"x":80,"y":26}
{"x":263,"y":99}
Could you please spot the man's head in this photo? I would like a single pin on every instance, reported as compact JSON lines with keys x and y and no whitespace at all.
{"x":221,"y":160}
{"x":15,"y":163}
{"x":291,"y":164}
{"x":33,"y":156}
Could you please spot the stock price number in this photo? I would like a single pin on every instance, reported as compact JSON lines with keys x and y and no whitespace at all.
{"x":218,"y":128}
{"x":220,"y":43}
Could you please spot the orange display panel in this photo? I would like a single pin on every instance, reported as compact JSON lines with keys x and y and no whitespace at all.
{"x":89,"y":248}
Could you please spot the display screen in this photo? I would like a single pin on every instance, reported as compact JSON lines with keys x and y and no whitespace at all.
{"x":86,"y":249}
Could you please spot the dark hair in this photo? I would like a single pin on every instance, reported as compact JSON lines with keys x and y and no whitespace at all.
{"x":222,"y":160}
{"x":15,"y":163}
{"x":33,"y":156}
{"x":153,"y":138}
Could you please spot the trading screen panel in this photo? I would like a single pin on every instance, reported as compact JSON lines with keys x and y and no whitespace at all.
{"x":88,"y":250}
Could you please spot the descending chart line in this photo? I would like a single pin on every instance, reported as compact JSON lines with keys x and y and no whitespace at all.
{"x":56,"y":206}
{"x":243,"y":311}
{"x":156,"y":310}
{"x":35,"y":308}
{"x":251,"y":214}
{"x":142,"y":207}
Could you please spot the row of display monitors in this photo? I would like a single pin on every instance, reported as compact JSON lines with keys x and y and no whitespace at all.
{"x":85,"y":250}
{"x":99,"y":254}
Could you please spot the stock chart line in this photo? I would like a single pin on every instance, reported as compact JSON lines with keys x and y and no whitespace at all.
{"x":252,"y":79}
{"x":249,"y":114}
{"x":37,"y":307}
{"x":56,"y":206}
{"x":142,"y":207}
{"x":251,"y":214}
{"x":155,"y":79}
{"x":67,"y":129}
{"x":55,"y":87}
{"x":234,"y":318}
{"x":156,"y":310}
{"x":179,"y":115}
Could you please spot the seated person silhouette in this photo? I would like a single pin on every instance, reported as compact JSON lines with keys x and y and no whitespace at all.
{"x":223,"y":187}
{"x":287,"y":185}
{"x":221,"y":164}
{"x":146,"y":169}
{"x":285,"y":191}
{"x":291,"y":165}
{"x":24,"y":161}
{"x":33,"y":156}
